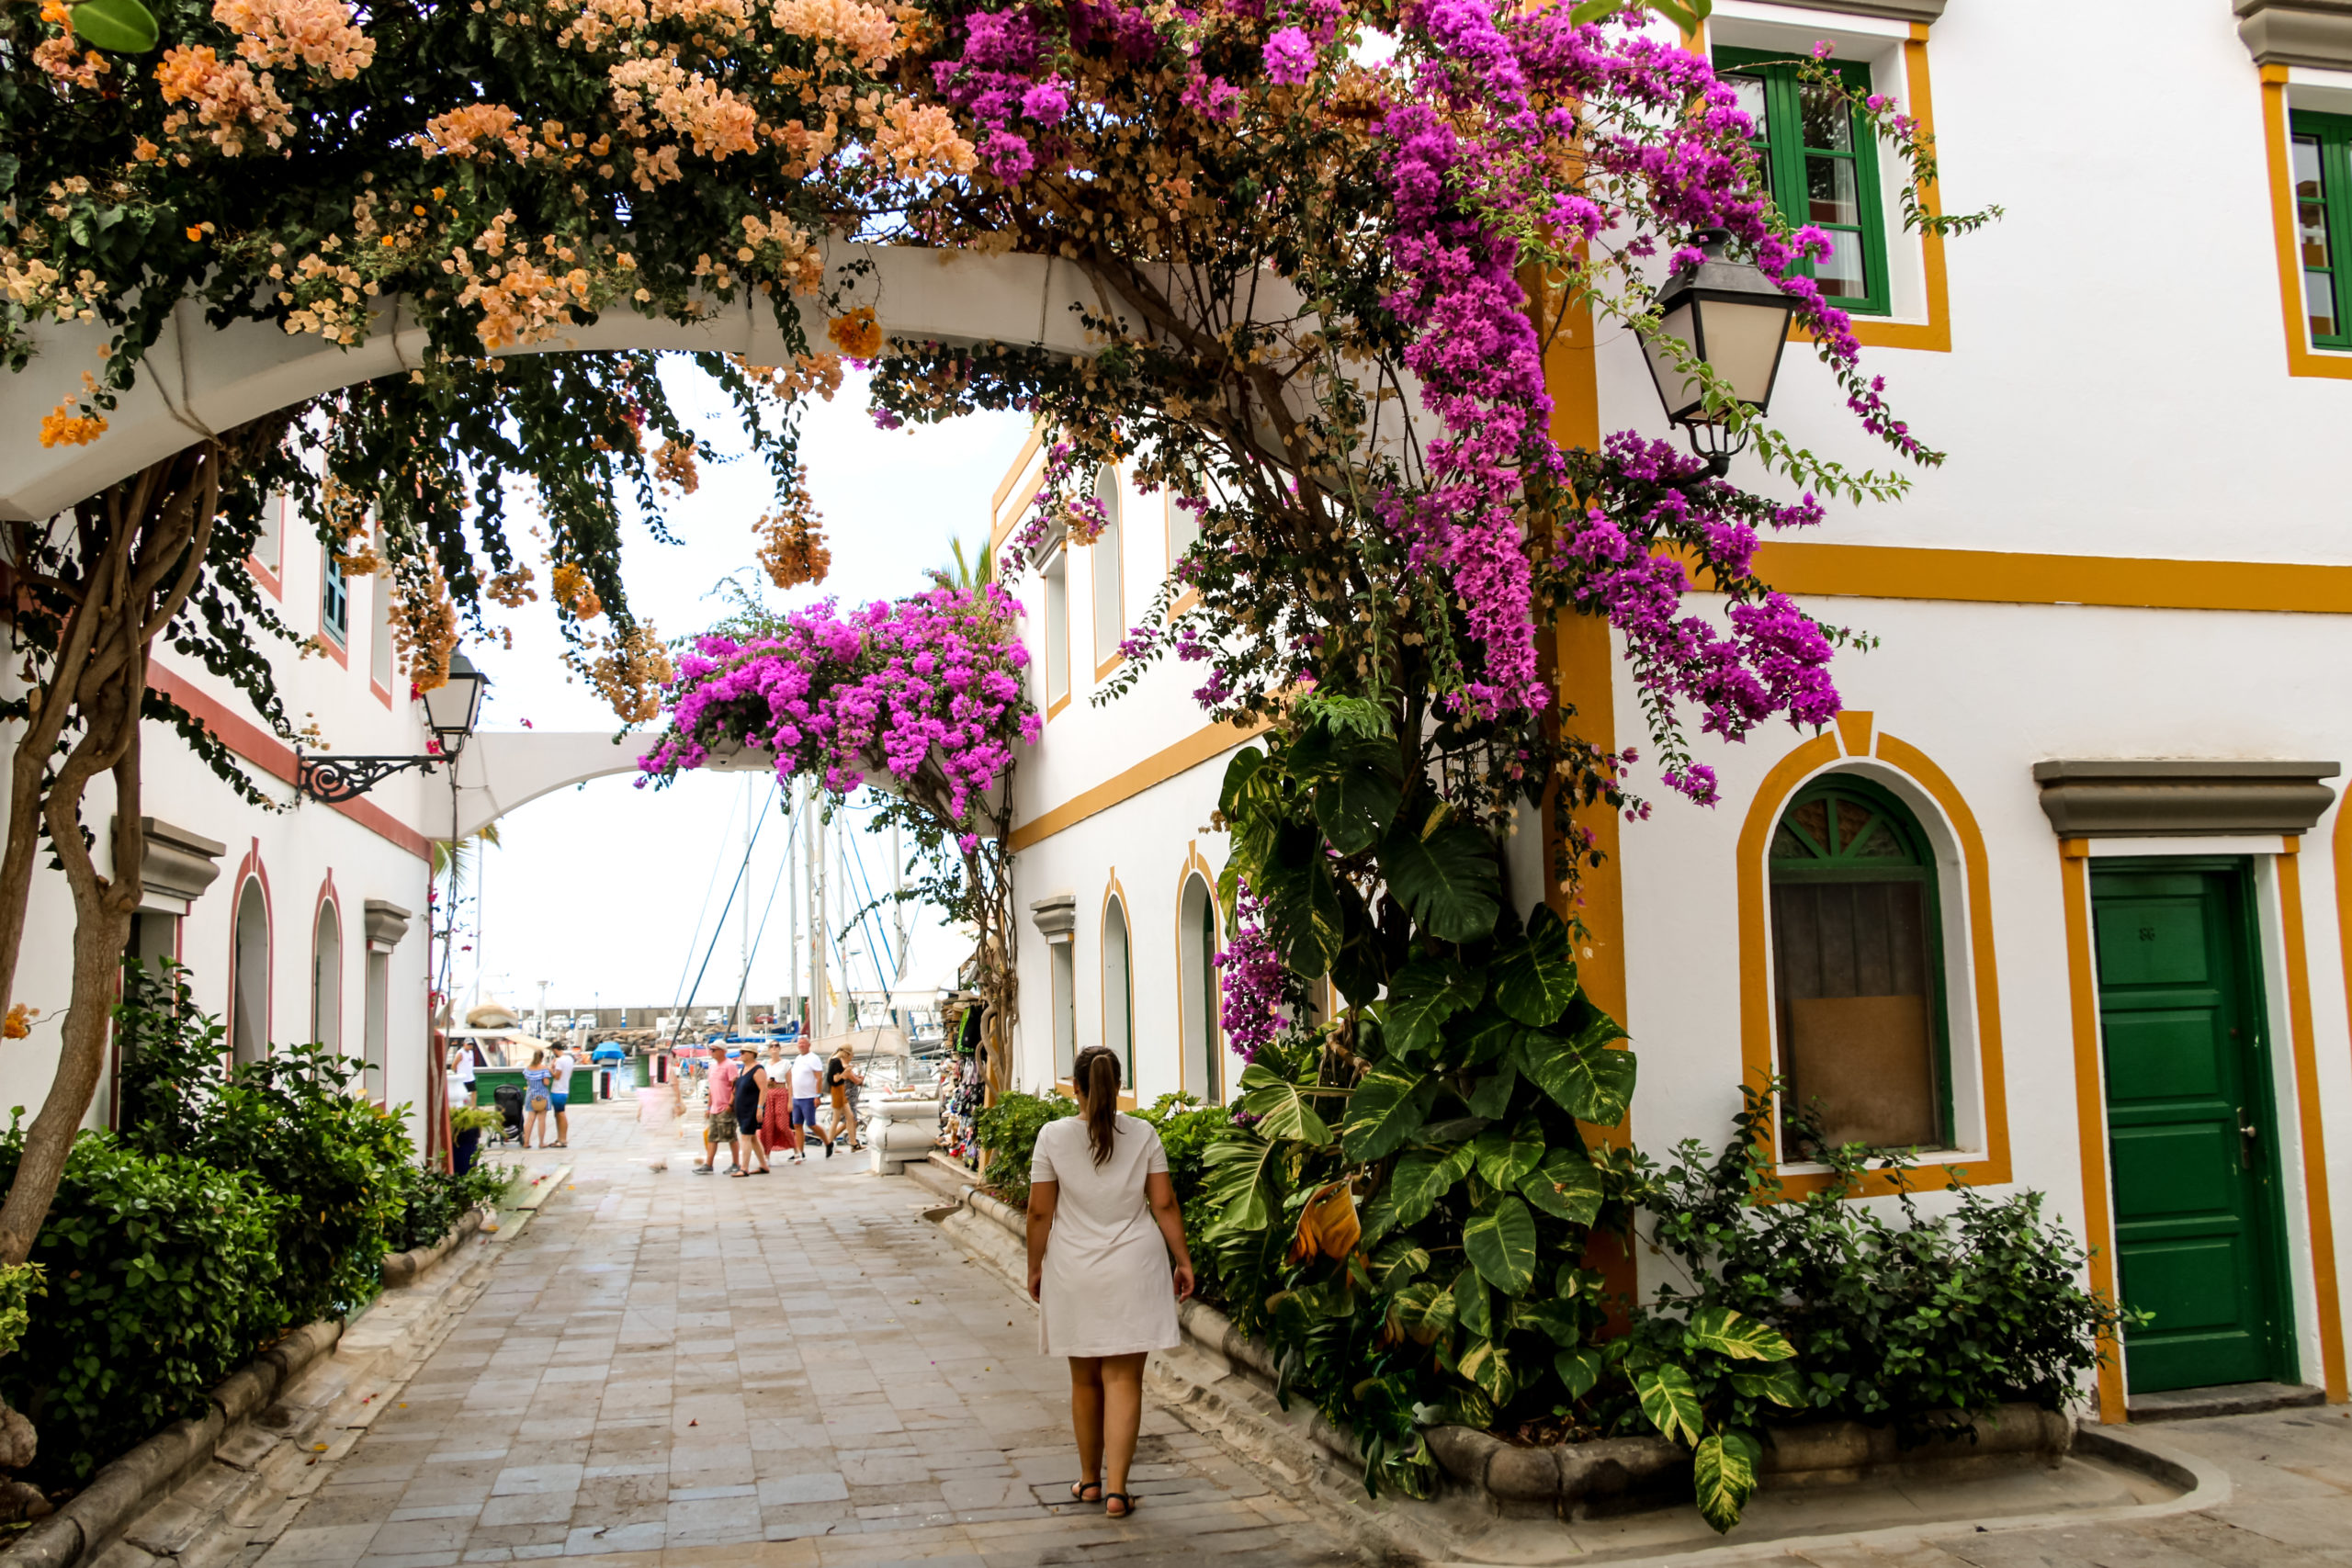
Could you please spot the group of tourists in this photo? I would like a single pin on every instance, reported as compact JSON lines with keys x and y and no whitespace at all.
{"x":757,"y":1104}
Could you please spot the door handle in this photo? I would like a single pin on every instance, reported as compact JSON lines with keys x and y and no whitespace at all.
{"x":2247,"y":1133}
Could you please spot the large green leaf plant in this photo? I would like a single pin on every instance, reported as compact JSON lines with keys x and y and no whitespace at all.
{"x":1409,"y":1201}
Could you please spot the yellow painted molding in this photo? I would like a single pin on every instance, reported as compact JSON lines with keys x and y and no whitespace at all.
{"x":2302,"y":358}
{"x":1013,"y":477}
{"x":2090,"y":1111}
{"x":1854,"y":732}
{"x":1157,"y":768}
{"x":1759,"y":1060}
{"x":2003,"y":577}
{"x":2318,"y":1205}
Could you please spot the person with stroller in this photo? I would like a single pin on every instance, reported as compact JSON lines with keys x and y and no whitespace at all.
{"x":536,"y":1101}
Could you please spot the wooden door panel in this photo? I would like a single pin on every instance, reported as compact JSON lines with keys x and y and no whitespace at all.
{"x":2177,"y":1173}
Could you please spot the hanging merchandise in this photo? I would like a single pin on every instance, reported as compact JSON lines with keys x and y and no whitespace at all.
{"x":961,"y":1098}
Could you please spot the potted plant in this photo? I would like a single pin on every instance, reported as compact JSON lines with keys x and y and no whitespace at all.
{"x":466,"y":1126}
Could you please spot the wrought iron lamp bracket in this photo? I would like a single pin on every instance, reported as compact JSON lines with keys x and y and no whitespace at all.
{"x":334,"y":780}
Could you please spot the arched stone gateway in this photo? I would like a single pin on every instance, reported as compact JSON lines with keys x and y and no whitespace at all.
{"x":499,"y":771}
{"x":198,"y":380}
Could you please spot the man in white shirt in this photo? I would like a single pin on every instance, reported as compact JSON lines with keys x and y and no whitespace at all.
{"x":461,"y":1077}
{"x":559,"y":1092}
{"x":807,"y":1072}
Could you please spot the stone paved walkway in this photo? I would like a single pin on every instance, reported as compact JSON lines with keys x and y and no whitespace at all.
{"x":782,"y":1370}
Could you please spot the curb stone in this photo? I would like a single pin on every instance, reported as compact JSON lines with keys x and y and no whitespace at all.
{"x":168,"y":1498}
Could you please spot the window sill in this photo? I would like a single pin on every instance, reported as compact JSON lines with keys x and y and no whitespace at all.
{"x":1190,"y":599}
{"x":332,"y":649}
{"x":267,"y":578}
{"x":1933,"y":1172}
{"x":1932,"y":335}
{"x":1103,"y":670}
{"x":1057,"y":705}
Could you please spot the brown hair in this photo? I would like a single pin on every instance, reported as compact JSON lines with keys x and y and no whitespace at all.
{"x":537,"y":1056}
{"x":1096,"y":1074}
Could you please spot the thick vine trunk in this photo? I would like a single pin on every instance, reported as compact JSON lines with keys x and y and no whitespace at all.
{"x":135,"y":554}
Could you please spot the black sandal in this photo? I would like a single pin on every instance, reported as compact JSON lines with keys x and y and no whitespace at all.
{"x":1078,"y":1490}
{"x":1127,"y":1512}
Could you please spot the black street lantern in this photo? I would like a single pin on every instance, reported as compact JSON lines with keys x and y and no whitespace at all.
{"x":451,"y":710}
{"x":1737,"y":320}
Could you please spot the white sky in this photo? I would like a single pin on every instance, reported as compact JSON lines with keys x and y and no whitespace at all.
{"x":599,"y":891}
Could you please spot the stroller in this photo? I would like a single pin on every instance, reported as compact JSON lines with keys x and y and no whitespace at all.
{"x":509,"y":1099}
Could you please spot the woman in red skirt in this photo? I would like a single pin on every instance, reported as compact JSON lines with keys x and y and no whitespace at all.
{"x":775,"y":1103}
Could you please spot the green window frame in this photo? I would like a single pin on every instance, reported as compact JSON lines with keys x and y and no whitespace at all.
{"x":2320,"y":165}
{"x":1847,"y":837}
{"x":1797,"y":155}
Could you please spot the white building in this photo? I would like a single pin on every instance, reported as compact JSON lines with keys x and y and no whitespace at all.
{"x":2065,"y":898}
{"x":302,"y":923}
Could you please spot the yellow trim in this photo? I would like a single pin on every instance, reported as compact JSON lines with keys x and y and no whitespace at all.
{"x":2003,"y":577}
{"x":1195,"y":866}
{"x":1113,"y":892}
{"x":2302,"y":358}
{"x":1759,"y":1059}
{"x":1056,"y":706}
{"x":1003,"y":526}
{"x":2317,"y":1202}
{"x":1854,"y":732}
{"x":1109,"y":664}
{"x":2090,"y":1111}
{"x":1157,"y":768}
{"x":998,"y":526}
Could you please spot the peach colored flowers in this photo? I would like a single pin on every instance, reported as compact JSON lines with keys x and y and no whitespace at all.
{"x":66,"y":425}
{"x":857,"y":335}
{"x":230,"y":102}
{"x":711,"y":117}
{"x":318,"y":34}
{"x":462,"y":133}
{"x":920,"y":140}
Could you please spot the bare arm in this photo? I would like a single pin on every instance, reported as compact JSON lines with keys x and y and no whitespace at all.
{"x":1170,"y":1217}
{"x":1042,"y":1197}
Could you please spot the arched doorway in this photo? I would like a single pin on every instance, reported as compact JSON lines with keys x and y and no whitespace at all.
{"x":249,"y":991}
{"x":1198,"y":1007}
{"x":326,"y":977}
{"x":1118,"y":989}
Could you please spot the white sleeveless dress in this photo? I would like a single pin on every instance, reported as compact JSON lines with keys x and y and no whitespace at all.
{"x":1108,"y":1288}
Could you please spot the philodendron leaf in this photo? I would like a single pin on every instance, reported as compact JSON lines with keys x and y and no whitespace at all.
{"x":1425,"y":993}
{"x":1580,"y":1370}
{"x":1503,"y":1158}
{"x":1670,"y":1400}
{"x":1355,"y":806}
{"x":1448,"y":880}
{"x":1590,"y":1082}
{"x":124,"y":27}
{"x":1555,"y":1320}
{"x":1500,"y":1244}
{"x":1743,"y":1338}
{"x":1566,"y":1186}
{"x":1486,"y":1364}
{"x":1723,"y":1468}
{"x":1237,"y":1181}
{"x":1388,"y":1107}
{"x":1535,"y":977}
{"x":1246,"y":761}
{"x":1472,"y":1306}
{"x":1421,"y":1178}
{"x":1422,"y":1312}
{"x":1281,"y":1107}
{"x":1489,"y":1090}
{"x":1400,"y":1262}
{"x":1783,"y":1385}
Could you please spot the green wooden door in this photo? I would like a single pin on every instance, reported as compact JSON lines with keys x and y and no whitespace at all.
{"x":2188,"y":1116}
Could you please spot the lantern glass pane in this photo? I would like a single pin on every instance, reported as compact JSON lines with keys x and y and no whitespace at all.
{"x":1744,"y":345}
{"x":1679,"y":393}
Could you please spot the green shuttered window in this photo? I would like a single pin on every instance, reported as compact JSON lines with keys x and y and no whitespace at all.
{"x":1821,"y":165}
{"x":2322,"y":170}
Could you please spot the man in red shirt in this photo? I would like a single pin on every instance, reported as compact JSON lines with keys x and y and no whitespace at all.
{"x":718,"y":1122}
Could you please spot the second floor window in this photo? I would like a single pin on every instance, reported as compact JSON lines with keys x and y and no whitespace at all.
{"x":2322,"y":174}
{"x":1821,"y":168}
{"x":334,"y":603}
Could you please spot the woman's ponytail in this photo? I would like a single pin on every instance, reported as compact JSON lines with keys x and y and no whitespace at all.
{"x":1097,"y":1076}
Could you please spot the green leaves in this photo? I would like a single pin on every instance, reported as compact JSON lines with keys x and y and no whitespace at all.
{"x":1425,"y":993}
{"x":1671,"y":1402}
{"x":1388,"y":1107}
{"x":1488,"y":1365}
{"x":1722,"y":1468}
{"x":1237,"y":1170}
{"x":1728,"y":1333}
{"x":1503,"y":1157}
{"x":1421,"y":1178}
{"x":1565,"y":1185}
{"x":1355,"y":806}
{"x":1500,"y":1243}
{"x":123,"y":27}
{"x":1580,"y":1370}
{"x":1281,"y":1107}
{"x":1535,"y":978}
{"x":1584,"y":1076}
{"x":1445,"y":872}
{"x":1423,"y":1312}
{"x":1783,"y":1385}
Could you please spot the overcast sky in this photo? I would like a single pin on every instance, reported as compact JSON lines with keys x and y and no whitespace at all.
{"x":599,"y":891}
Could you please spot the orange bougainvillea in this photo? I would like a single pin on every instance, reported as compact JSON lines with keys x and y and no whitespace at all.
{"x":67,"y":426}
{"x":792,"y":547}
{"x":20,"y":1022}
{"x":857,"y":335}
{"x":573,"y":592}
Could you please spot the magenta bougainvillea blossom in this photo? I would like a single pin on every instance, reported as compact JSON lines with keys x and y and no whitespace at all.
{"x":1253,"y":979}
{"x":925,"y":689}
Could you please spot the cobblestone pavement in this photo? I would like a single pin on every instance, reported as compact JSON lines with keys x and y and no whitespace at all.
{"x":784,"y":1370}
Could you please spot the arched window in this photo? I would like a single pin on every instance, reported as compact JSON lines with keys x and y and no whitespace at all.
{"x":249,"y":996}
{"x":1118,"y":991}
{"x":1110,"y":611}
{"x":326,"y":979}
{"x":1857,"y":962}
{"x":1197,"y":975}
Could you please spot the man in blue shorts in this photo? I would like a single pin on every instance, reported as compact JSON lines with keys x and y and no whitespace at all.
{"x":807,"y":1073}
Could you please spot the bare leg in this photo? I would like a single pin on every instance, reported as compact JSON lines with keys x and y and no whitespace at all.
{"x":1086,"y":1401}
{"x":1122,"y":1417}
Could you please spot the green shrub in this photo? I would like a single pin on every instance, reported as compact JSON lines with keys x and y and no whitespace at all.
{"x":161,"y":1271}
{"x":1186,"y":1129}
{"x":1009,"y":1130}
{"x":472,"y":1118}
{"x":1894,"y":1316}
{"x":435,"y":1200}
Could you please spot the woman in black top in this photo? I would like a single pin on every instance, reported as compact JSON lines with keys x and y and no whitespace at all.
{"x":843,"y":1079}
{"x":750,"y":1087}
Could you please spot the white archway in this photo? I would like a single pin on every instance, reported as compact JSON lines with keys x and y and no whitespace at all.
{"x":198,"y":380}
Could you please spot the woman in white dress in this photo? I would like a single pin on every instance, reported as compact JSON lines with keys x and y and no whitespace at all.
{"x":1104,"y":1227}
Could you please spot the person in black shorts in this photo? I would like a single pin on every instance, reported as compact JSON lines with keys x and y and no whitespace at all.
{"x":842,"y":1079}
{"x":750,"y":1087}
